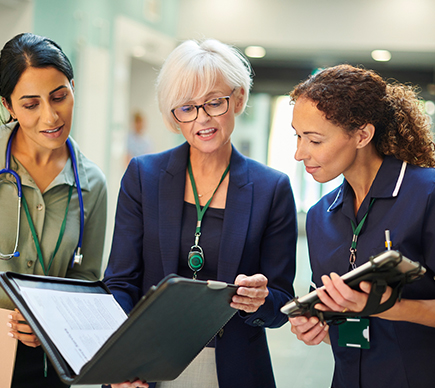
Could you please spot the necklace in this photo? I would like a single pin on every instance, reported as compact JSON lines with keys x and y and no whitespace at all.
{"x":201,"y":195}
{"x":195,"y":258}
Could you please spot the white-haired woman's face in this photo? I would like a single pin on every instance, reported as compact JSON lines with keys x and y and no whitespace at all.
{"x":209,"y":134}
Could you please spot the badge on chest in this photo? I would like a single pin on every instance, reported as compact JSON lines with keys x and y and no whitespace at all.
{"x":354,"y":333}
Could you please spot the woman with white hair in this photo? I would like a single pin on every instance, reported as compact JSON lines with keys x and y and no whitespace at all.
{"x":247,"y":235}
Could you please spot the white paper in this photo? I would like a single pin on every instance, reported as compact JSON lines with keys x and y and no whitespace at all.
{"x":77,"y":323}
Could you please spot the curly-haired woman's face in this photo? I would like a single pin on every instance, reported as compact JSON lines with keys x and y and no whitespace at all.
{"x":325,"y":148}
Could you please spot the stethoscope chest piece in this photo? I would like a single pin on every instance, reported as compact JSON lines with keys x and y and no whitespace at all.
{"x":78,"y":257}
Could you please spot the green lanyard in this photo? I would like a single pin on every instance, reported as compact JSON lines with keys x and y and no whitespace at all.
{"x":356,"y":231}
{"x":196,"y":255}
{"x":35,"y":238}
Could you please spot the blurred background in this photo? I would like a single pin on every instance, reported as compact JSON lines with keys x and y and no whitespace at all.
{"x":118,"y":46}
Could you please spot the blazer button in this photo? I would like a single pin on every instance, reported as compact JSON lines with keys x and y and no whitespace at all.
{"x":221,"y":333}
{"x":29,"y":263}
{"x":258,"y":322}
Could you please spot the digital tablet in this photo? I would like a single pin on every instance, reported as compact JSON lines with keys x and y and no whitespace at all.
{"x":387,"y":261}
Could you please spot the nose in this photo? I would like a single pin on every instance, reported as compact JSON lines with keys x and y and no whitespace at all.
{"x":301,"y":151}
{"x":49,"y":115}
{"x":202,"y":115}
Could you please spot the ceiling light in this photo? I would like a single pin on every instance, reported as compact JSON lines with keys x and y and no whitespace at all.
{"x":381,"y":55}
{"x":430,"y":107}
{"x":255,"y":51}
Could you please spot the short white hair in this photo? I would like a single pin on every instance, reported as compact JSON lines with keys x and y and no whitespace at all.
{"x":191,"y":71}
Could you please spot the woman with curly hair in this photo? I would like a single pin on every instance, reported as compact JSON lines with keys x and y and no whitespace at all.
{"x":350,"y":121}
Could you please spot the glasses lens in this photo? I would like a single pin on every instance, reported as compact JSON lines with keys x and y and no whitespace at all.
{"x":185,"y":113}
{"x":217,"y":106}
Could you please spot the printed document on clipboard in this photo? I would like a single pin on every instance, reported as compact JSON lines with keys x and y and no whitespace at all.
{"x":78,"y":324}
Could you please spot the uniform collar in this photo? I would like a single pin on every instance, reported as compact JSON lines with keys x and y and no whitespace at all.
{"x":387,"y":183}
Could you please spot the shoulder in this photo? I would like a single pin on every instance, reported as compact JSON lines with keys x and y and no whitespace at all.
{"x":5,"y":133}
{"x":93,"y":172}
{"x":418,"y":181}
{"x":150,"y":165}
{"x":89,"y":172}
{"x":423,"y":174}
{"x":326,"y":202}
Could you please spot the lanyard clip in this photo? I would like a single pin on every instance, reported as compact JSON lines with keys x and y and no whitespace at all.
{"x":352,"y":257}
{"x":197,"y":235}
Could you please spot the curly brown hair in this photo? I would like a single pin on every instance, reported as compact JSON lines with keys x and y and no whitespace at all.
{"x":352,"y":97}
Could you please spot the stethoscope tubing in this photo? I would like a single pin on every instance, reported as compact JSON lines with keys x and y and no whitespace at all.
{"x":79,"y":193}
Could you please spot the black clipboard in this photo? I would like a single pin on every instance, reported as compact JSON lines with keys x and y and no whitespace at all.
{"x":389,"y":265}
{"x":165,"y":331}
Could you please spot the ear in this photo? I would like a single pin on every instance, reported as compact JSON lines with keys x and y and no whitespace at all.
{"x":365,"y":135}
{"x":72,"y":85}
{"x":8,"y":107}
{"x":239,"y":101}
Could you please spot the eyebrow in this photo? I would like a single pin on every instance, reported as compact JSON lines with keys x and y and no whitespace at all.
{"x":308,"y":132}
{"x":36,"y":96}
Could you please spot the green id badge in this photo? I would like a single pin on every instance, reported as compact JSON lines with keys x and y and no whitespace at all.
{"x":354,"y":333}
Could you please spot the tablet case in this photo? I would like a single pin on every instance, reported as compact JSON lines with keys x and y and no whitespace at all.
{"x":388,"y":268}
{"x":165,"y":331}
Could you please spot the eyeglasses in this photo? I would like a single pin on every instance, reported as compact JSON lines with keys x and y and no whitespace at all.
{"x":215,"y":107}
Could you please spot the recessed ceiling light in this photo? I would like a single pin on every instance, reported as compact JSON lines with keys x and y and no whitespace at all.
{"x":255,"y":51}
{"x":430,"y":107}
{"x":381,"y":55}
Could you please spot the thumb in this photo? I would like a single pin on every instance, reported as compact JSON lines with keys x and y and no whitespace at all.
{"x":365,"y":287}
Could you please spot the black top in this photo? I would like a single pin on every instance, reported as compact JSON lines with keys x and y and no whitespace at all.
{"x":211,"y":231}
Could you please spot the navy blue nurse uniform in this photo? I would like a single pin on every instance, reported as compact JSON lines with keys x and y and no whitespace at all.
{"x":402,"y":354}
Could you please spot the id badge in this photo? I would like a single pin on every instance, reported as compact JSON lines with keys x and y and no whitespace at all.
{"x":354,"y":333}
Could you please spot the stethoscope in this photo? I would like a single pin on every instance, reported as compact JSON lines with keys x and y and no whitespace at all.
{"x":77,"y":257}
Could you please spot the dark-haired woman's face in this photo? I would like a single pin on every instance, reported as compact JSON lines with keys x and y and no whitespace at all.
{"x":43,"y":102}
{"x":325,"y":148}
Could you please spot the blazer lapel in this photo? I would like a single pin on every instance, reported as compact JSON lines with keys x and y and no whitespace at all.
{"x":236,"y":219}
{"x":171,"y":198}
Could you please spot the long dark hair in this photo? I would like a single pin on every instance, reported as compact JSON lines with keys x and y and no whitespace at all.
{"x":29,"y":50}
{"x":352,"y":97}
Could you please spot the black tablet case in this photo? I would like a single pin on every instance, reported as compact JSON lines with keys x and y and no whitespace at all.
{"x":162,"y":335}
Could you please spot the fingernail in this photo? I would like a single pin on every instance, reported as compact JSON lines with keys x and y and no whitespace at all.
{"x":10,"y":317}
{"x":9,"y":324}
{"x":11,"y":335}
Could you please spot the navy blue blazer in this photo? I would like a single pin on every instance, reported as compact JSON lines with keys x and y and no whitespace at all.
{"x":258,"y":236}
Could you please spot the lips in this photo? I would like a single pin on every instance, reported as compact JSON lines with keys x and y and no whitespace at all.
{"x":52,"y":130}
{"x":311,"y":169}
{"x":206,"y":132}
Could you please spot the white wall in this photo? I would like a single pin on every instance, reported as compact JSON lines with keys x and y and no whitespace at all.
{"x":16,"y":16}
{"x":298,"y":24}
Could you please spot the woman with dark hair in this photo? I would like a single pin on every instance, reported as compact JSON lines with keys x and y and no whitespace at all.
{"x":63,"y":194}
{"x":350,"y":121}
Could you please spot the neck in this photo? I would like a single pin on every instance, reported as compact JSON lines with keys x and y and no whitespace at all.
{"x":363,"y":173}
{"x":26,"y":150}
{"x":209,"y":164}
